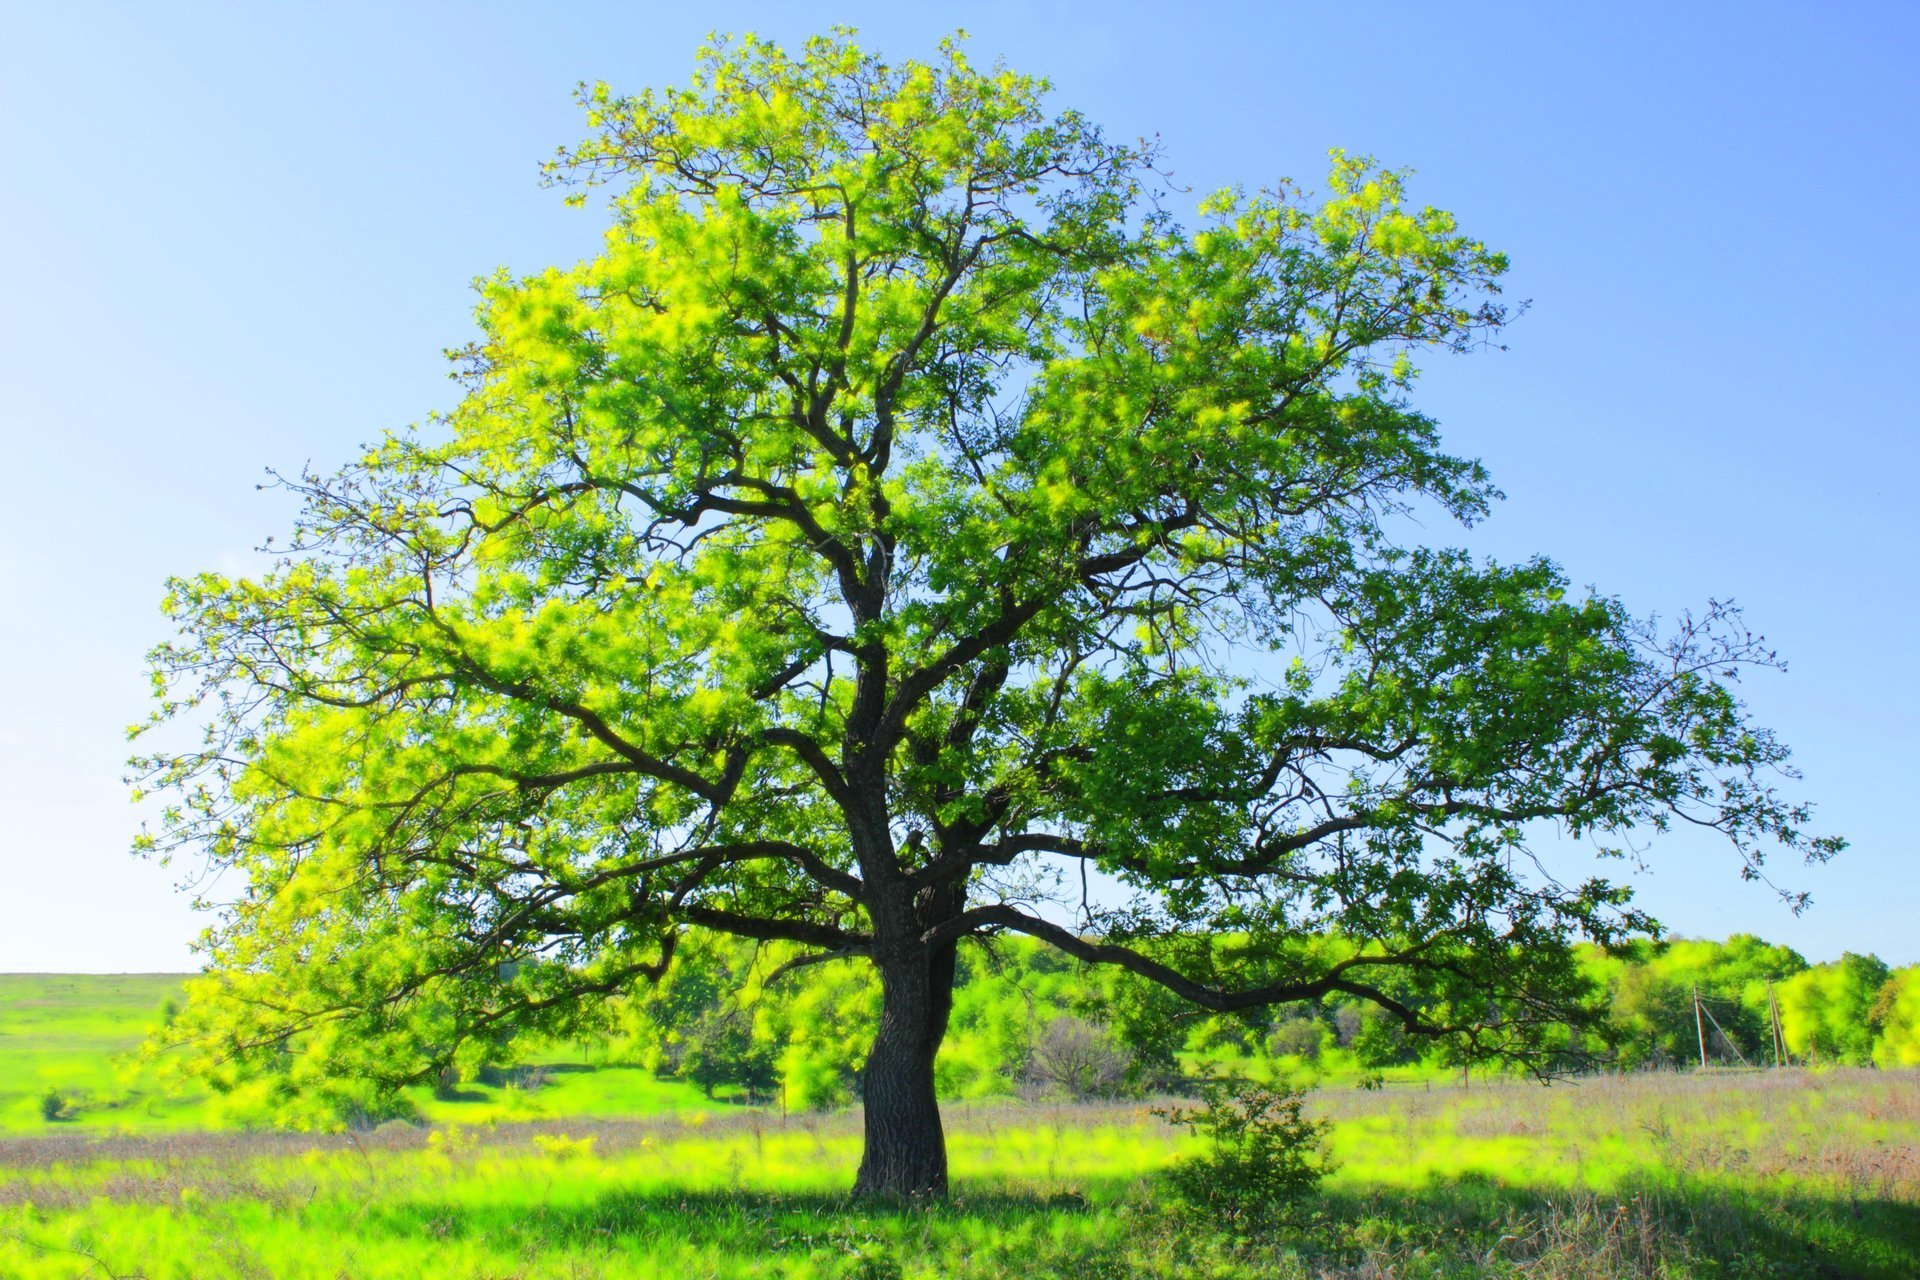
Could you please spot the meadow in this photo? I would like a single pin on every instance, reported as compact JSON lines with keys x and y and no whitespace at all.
{"x":78,"y":1035}
{"x":1785,"y":1173}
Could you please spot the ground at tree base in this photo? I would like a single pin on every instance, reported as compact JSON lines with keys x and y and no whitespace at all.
{"x":1785,"y":1174}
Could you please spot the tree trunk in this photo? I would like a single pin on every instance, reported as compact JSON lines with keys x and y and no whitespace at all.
{"x":906,"y":1148}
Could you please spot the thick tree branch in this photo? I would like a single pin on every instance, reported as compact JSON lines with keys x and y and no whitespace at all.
{"x":1000,"y":916}
{"x":811,"y":933}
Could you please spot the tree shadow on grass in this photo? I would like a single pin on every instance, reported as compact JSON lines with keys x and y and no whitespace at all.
{"x":717,"y":1214}
{"x":1466,"y":1227}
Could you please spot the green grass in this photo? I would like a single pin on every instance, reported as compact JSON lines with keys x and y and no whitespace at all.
{"x":1792,"y":1175}
{"x":76,"y":1033}
{"x":566,"y":1088}
{"x":607,"y":1172}
{"x":79,"y":1035}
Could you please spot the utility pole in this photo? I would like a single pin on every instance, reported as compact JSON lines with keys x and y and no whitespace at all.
{"x":1779,"y":1034}
{"x":1700,"y":1028}
{"x":1724,"y":1037}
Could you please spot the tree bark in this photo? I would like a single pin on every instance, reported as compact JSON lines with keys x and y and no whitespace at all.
{"x":906,"y":1148}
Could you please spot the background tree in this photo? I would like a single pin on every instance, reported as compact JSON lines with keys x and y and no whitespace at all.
{"x":1896,"y":1012}
{"x":1833,"y":1013}
{"x":865,"y":534}
{"x":1650,"y":988}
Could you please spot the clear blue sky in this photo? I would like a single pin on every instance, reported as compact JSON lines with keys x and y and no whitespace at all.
{"x":240,"y":236}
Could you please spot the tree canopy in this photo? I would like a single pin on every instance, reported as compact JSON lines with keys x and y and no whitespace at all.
{"x":901,"y":514}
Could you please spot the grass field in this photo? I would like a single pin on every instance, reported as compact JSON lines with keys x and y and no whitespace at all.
{"x":1785,"y":1174}
{"x":78,"y":1035}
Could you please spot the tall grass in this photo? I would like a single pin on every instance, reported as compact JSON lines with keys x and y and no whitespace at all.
{"x":1784,"y":1174}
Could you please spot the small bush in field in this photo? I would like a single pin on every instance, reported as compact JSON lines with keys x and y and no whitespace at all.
{"x":53,"y":1106}
{"x":1078,"y":1058}
{"x":1263,"y":1154}
{"x":561,"y":1147}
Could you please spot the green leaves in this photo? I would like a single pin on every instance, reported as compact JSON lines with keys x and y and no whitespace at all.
{"x":874,"y":526}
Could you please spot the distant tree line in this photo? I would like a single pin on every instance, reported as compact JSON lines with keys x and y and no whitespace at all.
{"x":1031,"y":1021}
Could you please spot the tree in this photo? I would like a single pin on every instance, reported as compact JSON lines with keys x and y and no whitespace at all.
{"x":860,"y":539}
{"x":719,"y":1049}
{"x":1896,"y":1011}
{"x":1651,"y":989}
{"x":1828,"y":1012}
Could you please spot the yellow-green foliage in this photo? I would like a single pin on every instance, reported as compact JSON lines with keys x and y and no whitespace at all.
{"x":1828,"y":1012}
{"x":827,"y":1026}
{"x":1650,"y":992}
{"x":1897,"y":1013}
{"x":76,"y":1034}
{"x":996,"y":1013}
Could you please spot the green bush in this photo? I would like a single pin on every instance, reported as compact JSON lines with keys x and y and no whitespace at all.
{"x":1297,"y":1035}
{"x":719,"y":1049}
{"x":53,"y":1106}
{"x":1263,"y":1157}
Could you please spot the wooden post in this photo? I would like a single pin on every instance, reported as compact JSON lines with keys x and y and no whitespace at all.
{"x":1724,"y":1037}
{"x":1700,"y":1028}
{"x":1779,"y":1032}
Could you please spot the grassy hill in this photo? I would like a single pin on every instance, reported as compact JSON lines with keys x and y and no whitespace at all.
{"x":78,"y":1035}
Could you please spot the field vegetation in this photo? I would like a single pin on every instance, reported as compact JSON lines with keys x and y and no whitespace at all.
{"x":706,"y":1132}
{"x":1650,"y":1174}
{"x":79,"y":1038}
{"x":1027,"y":1023}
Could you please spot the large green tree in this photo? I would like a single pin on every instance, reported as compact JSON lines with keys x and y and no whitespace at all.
{"x":902,"y":511}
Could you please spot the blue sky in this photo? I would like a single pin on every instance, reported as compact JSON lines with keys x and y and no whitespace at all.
{"x":234,"y":237}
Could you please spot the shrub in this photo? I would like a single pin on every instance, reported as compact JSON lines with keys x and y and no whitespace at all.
{"x":561,"y":1147}
{"x":1297,"y":1035}
{"x":1078,"y":1058}
{"x":1263,"y":1154}
{"x":1896,"y":1011}
{"x":53,"y":1106}
{"x":816,"y":1078}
